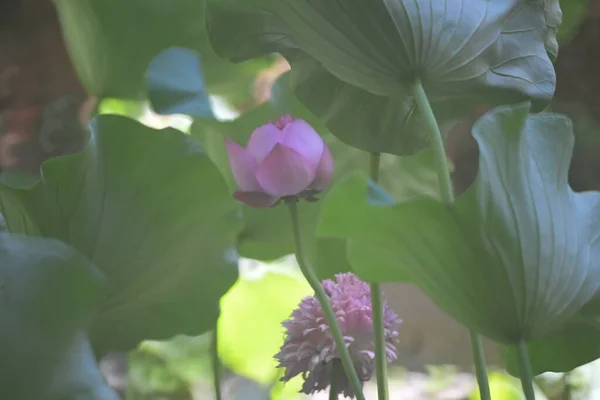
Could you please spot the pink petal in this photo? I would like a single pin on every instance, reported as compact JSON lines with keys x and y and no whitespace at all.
{"x":255,"y":199}
{"x":243,"y":166}
{"x":285,"y":172}
{"x":324,"y":174}
{"x":262,"y":141}
{"x":299,"y":136}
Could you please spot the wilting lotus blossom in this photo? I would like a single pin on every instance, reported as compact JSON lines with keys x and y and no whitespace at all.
{"x":309,"y":348}
{"x":283,"y":160}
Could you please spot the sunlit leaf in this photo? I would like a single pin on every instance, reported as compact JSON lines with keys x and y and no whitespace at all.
{"x":513,"y":259}
{"x":128,"y":108}
{"x":505,"y":387}
{"x":256,"y":306}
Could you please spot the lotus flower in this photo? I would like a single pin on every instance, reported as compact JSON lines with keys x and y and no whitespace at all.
{"x":284,"y":160}
{"x":309,"y":348}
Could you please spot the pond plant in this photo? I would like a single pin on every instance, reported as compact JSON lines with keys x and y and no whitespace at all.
{"x":138,"y":236}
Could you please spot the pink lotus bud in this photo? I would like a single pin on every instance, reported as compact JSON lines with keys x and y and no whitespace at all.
{"x":282,"y":160}
{"x":309,"y":348}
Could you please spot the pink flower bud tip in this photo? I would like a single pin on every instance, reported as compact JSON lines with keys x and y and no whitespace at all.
{"x":285,"y":159}
{"x":309,"y":348}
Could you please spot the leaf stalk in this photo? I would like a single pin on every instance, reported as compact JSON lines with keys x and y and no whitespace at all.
{"x":447,"y":195}
{"x":216,"y":364}
{"x":525,"y":370}
{"x":377,"y":308}
{"x":323,"y":299}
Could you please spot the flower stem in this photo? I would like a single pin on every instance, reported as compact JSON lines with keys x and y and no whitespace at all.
{"x":437,"y":143}
{"x":567,"y":389}
{"x":216,"y":365}
{"x":336,"y":370}
{"x":374,"y":160}
{"x":480,"y":368}
{"x":377,"y":307}
{"x":314,"y":282}
{"x":447,"y":194}
{"x":525,"y":370}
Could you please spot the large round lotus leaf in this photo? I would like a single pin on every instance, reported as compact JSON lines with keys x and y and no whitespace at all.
{"x":152,"y":212}
{"x":575,"y":344}
{"x":47,"y":294}
{"x":111,"y":43}
{"x":355,"y":62}
{"x":514,"y":258}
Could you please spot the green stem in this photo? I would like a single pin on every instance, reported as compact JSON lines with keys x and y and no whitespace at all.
{"x":480,"y":368}
{"x":447,"y":194}
{"x":216,"y":365}
{"x":374,"y":160}
{"x":525,"y":371}
{"x":314,"y":282}
{"x":567,"y":389}
{"x":377,"y":307}
{"x":380,"y":351}
{"x":336,"y":370}
{"x":437,"y":143}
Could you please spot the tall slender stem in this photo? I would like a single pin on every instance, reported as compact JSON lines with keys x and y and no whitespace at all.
{"x":336,"y":370}
{"x":480,"y":367}
{"x":377,"y":307}
{"x":567,"y":389}
{"x":374,"y":160}
{"x":437,"y":143}
{"x":447,"y":194}
{"x":525,"y":371}
{"x":216,"y":365}
{"x":314,"y":282}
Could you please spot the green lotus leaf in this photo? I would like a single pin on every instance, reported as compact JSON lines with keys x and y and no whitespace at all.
{"x":574,"y":344}
{"x":77,"y":374}
{"x":512,"y":259}
{"x":111,"y":43}
{"x":355,"y":62}
{"x":47,"y":294}
{"x":152,"y":212}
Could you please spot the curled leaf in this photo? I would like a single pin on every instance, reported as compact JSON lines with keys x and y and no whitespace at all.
{"x":514,"y":258}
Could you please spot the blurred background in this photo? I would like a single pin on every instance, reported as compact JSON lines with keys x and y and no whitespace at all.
{"x":44,"y":111}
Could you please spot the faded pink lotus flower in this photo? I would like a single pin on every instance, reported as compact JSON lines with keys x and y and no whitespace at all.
{"x":282,"y":160}
{"x":309,"y":348}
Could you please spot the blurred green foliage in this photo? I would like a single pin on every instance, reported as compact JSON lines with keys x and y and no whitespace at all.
{"x":256,"y":307}
{"x":169,"y":367}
